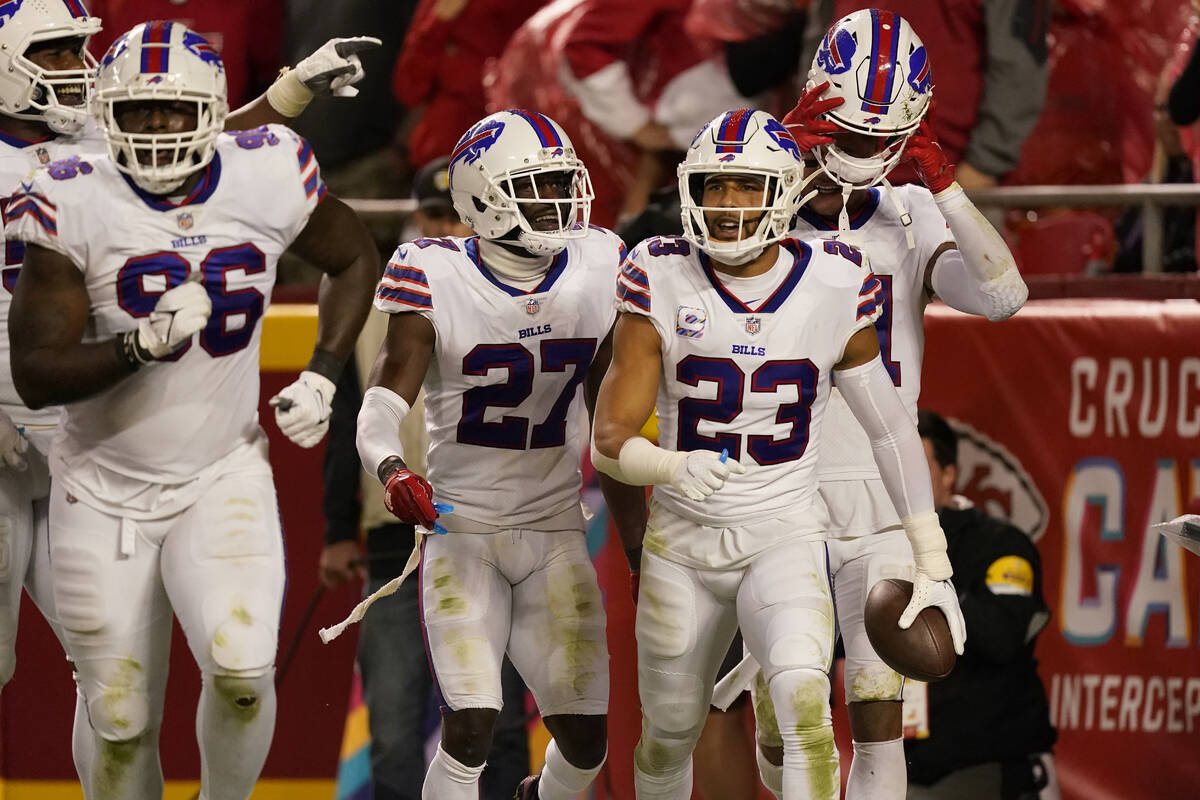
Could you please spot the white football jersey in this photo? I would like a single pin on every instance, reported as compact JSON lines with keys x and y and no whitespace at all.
{"x":901,"y":273}
{"x":18,"y":158}
{"x":752,"y":381}
{"x":503,"y":409}
{"x":168,"y":421}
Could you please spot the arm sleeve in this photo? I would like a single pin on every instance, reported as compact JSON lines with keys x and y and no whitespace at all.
{"x":1183,"y":103}
{"x":980,"y":276}
{"x":1000,"y":609}
{"x":404,"y":287}
{"x":342,"y":473}
{"x":895,"y":443}
{"x":1014,"y":83}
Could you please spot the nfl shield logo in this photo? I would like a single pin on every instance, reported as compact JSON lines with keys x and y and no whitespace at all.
{"x":43,"y":157}
{"x":185,"y":220}
{"x":753,"y":325}
{"x":532,"y":306}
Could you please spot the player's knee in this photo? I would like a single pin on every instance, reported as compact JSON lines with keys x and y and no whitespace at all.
{"x":467,"y":734}
{"x":242,"y":697}
{"x":801,"y":699}
{"x":871,"y":681}
{"x":243,"y":644}
{"x":673,"y":702}
{"x":119,"y":707}
{"x":661,"y":752}
{"x":582,"y":739}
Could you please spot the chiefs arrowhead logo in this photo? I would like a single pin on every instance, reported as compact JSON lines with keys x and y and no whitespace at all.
{"x":995,"y":481}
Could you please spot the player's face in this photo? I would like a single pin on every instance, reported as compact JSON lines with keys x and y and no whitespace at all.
{"x":733,"y":192}
{"x":545,"y":186}
{"x":156,"y":116}
{"x":828,"y":200}
{"x":943,"y":478}
{"x":437,"y":221}
{"x":57,"y":55}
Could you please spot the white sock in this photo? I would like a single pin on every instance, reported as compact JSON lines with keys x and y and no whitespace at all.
{"x":878,"y":771}
{"x":562,"y":780}
{"x":234,"y":726}
{"x":770,"y":774}
{"x":447,"y":779}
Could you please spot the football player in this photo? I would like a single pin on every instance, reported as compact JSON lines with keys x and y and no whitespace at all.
{"x":734,"y":332}
{"x":502,"y":329}
{"x":147,"y":271}
{"x":869,"y":90}
{"x":46,"y":76}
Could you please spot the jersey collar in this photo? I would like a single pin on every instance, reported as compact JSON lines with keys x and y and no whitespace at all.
{"x":857,"y":221}
{"x":556,"y":269}
{"x":17,"y":141}
{"x":800,"y":254}
{"x":203,"y":190}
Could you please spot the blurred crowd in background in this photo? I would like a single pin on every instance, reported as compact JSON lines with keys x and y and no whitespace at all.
{"x":1054,"y":92}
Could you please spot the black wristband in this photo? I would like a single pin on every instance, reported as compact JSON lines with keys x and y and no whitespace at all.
{"x":326,"y":364}
{"x":130,"y":351}
{"x":388,"y":466}
{"x":634,"y":555}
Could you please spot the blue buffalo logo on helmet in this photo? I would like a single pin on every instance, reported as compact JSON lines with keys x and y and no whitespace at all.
{"x":200,"y":47}
{"x":476,"y":141}
{"x":920,"y":76}
{"x":114,"y":50}
{"x":837,"y":49}
{"x":783,"y":137}
{"x":9,"y":9}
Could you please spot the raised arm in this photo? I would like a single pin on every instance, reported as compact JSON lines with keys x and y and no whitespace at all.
{"x":52,"y":365}
{"x":329,"y":71}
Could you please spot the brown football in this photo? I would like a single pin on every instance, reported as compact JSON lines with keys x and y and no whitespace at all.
{"x":925,"y":651}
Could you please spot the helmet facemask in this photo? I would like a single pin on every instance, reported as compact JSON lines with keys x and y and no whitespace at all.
{"x":774,"y":211}
{"x":557,"y":194}
{"x":861,"y":172}
{"x":160,"y":162}
{"x":44,"y":99}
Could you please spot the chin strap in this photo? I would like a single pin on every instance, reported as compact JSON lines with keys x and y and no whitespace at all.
{"x":902,"y":212}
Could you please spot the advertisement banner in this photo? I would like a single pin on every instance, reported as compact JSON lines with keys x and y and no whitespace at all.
{"x":1080,"y":423}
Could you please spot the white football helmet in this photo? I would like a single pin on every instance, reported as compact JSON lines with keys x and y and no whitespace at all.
{"x":877,"y":64}
{"x":28,"y":91}
{"x":499,"y":158}
{"x":742,"y":142}
{"x":162,"y":61}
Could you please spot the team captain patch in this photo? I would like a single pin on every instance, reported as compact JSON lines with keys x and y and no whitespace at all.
{"x":1010,"y":575}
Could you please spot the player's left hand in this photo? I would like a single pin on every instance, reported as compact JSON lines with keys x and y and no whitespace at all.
{"x":302,"y":409}
{"x":803,"y":123}
{"x":12,"y":444}
{"x":928,"y":592}
{"x":928,"y":159}
{"x":334,"y":67}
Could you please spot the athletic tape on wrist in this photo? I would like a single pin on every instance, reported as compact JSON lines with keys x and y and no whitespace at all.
{"x":288,"y":95}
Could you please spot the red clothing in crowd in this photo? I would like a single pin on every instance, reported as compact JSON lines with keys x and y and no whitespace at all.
{"x":247,"y":34}
{"x":626,"y":62}
{"x":441,"y":67}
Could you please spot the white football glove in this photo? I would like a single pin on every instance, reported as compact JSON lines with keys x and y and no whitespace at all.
{"x":928,"y":592}
{"x":178,"y":314}
{"x":334,"y":66}
{"x":12,"y":445}
{"x":302,"y":409}
{"x":702,"y":472}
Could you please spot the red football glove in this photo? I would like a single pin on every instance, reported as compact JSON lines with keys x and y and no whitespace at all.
{"x":928,"y":159}
{"x":410,"y":497}
{"x":802,"y":122}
